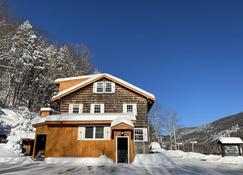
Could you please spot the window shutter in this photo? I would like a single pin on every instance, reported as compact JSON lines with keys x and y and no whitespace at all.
{"x":113,"y":87}
{"x":70,"y":110}
{"x":124,"y":108}
{"x":92,"y":108}
{"x":145,"y":134}
{"x":80,"y":108}
{"x":107,"y":135}
{"x":81,"y":133}
{"x":95,"y":87}
{"x":102,"y":106}
{"x":135,"y":109}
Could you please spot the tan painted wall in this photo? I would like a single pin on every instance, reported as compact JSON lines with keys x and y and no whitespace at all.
{"x":62,"y":142}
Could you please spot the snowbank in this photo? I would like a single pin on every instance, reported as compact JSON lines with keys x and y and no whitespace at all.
{"x":152,"y":159}
{"x":178,"y":154}
{"x":9,"y":156}
{"x":102,"y":160}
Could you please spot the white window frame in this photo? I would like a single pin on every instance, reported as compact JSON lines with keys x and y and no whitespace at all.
{"x":70,"y":110}
{"x":95,"y":87}
{"x":144,"y":133}
{"x":82,"y":130}
{"x":102,"y":108}
{"x":134,"y":108}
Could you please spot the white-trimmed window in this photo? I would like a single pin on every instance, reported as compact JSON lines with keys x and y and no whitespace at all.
{"x":140,"y":135}
{"x":104,"y":87}
{"x":130,"y":108}
{"x":94,"y":133}
{"x":97,"y":108}
{"x":75,"y":108}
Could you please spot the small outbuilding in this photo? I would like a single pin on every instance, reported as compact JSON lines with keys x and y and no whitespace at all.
{"x":230,"y":146}
{"x":28,"y":143}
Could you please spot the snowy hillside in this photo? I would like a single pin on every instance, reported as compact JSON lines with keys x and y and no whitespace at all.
{"x":207,"y":135}
{"x":17,"y":125}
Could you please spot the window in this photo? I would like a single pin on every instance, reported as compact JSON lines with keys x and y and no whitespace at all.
{"x":140,"y":134}
{"x":100,"y":87}
{"x":104,"y":87}
{"x":89,"y":132}
{"x":108,"y":87}
{"x":75,"y":108}
{"x":130,"y":108}
{"x":99,"y":132}
{"x":94,"y":132}
{"x":97,"y":108}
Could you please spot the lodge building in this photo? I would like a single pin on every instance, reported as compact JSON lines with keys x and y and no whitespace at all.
{"x":96,"y":115}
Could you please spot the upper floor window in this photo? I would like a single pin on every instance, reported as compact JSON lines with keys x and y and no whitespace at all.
{"x":130,"y":108}
{"x":140,"y":135}
{"x":104,"y":87}
{"x":75,"y":108}
{"x":97,"y":108}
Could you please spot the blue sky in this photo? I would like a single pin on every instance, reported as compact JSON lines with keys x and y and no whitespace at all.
{"x":188,"y":53}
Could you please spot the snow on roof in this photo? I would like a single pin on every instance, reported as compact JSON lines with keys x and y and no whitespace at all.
{"x":122,"y":120}
{"x":28,"y":135}
{"x":74,"y":78}
{"x":226,"y":140}
{"x":84,"y":117}
{"x":94,"y":77}
{"x":46,"y":109}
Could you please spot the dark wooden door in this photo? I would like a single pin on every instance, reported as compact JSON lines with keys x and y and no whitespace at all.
{"x":122,"y":150}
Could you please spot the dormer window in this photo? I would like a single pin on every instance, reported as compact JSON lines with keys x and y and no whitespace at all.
{"x":104,"y":87}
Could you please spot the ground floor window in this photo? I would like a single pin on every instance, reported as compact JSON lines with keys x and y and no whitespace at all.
{"x":94,"y":132}
{"x":140,"y":134}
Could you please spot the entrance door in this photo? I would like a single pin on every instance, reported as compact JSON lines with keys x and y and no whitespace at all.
{"x":40,"y":146}
{"x":122,"y":149}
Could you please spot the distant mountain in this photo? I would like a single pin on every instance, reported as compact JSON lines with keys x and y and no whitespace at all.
{"x":207,"y":135}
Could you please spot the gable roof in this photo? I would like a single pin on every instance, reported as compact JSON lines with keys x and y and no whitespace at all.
{"x":95,"y":77}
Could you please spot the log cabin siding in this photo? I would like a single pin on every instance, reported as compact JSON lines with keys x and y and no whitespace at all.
{"x":113,"y":101}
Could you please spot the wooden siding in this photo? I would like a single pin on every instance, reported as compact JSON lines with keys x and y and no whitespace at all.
{"x":62,"y":142}
{"x":113,"y":101}
{"x":69,"y":83}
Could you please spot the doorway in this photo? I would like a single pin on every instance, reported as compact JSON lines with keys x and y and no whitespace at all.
{"x":40,"y":147}
{"x":122,"y":149}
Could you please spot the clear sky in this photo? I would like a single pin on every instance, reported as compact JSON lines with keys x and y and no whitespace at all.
{"x":188,"y":53}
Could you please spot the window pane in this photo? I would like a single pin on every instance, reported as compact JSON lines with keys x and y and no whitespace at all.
{"x":89,"y":132}
{"x":99,"y":132}
{"x":97,"y":108}
{"x":100,"y":87}
{"x":108,"y":87}
{"x":75,"y":109}
{"x":129,"y":108}
{"x":138,"y":134}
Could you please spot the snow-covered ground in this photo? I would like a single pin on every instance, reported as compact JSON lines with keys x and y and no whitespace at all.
{"x":164,"y":163}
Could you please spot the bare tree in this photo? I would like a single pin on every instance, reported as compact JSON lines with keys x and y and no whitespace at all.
{"x":169,"y":125}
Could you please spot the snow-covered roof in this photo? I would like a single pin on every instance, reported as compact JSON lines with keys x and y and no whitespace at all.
{"x":74,"y":78}
{"x":122,"y":120}
{"x":46,"y":109}
{"x":95,"y":77}
{"x":84,"y":117}
{"x":228,"y":140}
{"x":28,"y":135}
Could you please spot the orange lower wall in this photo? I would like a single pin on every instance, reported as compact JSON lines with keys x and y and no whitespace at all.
{"x":62,"y":142}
